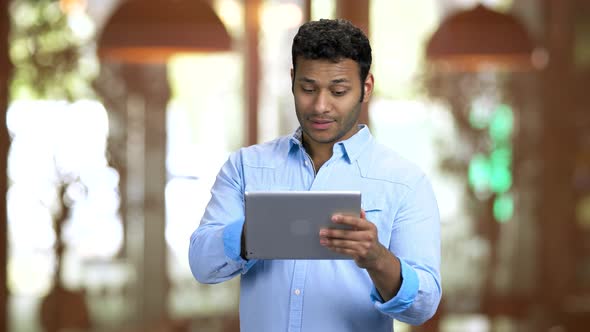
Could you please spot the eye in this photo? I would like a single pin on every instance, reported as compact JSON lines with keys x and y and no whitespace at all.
{"x":307,"y":89}
{"x":339,"y":93}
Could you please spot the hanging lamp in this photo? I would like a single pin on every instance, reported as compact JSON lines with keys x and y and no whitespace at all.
{"x":150,"y":31}
{"x":481,"y":38}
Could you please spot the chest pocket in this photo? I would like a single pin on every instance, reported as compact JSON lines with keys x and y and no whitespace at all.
{"x":377,"y":214}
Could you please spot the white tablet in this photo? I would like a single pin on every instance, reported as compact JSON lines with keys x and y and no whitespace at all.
{"x":286,"y":224}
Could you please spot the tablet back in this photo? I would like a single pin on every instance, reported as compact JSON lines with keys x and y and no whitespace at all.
{"x":286,"y":224}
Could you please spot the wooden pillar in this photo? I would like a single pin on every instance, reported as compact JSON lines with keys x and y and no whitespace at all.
{"x":252,"y":69}
{"x":357,"y":12}
{"x":137,"y":115}
{"x":5,"y":71}
{"x":145,"y":110}
{"x":306,"y":10}
{"x":556,"y":207}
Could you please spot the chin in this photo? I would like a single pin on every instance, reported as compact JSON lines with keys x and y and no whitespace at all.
{"x":321,"y":136}
{"x":324,"y":139}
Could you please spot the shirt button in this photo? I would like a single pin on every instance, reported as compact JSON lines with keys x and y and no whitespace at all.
{"x":306,"y":163}
{"x":297,"y":291}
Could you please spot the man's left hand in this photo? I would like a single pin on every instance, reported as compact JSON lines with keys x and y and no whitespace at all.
{"x":360,"y":242}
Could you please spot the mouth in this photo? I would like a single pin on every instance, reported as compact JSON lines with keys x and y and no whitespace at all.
{"x":320,"y":124}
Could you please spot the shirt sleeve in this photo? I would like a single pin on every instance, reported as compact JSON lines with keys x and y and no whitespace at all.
{"x":415,"y":240}
{"x":214,"y":249}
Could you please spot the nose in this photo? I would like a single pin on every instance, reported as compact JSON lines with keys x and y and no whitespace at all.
{"x":322,"y":102}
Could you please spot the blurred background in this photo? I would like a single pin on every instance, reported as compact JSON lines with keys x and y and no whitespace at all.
{"x":118,"y":115}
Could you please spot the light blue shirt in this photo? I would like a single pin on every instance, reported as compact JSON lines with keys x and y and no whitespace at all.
{"x":324,"y":295}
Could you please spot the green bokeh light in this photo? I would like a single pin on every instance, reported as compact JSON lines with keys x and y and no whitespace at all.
{"x":479,"y":173}
{"x":501,"y":157}
{"x":502,"y":123}
{"x":503,"y":207}
{"x":500,"y":179}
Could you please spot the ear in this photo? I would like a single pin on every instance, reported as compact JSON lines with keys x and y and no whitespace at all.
{"x":292,"y":80}
{"x":368,"y":86}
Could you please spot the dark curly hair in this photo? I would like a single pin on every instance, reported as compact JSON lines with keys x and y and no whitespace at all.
{"x":333,"y":40}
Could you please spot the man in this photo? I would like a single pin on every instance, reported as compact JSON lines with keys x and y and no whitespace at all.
{"x":394,"y":243}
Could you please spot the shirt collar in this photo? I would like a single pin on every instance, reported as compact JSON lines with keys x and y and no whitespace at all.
{"x":352,"y":147}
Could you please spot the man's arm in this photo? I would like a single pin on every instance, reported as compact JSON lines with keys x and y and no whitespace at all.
{"x":214,"y":251}
{"x":406,"y":275}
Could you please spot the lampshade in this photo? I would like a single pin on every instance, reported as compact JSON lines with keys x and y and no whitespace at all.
{"x":152,"y":30}
{"x":472,"y":39}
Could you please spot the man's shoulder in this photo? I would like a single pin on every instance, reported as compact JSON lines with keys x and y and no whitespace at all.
{"x":383,"y":163}
{"x":265,"y":154}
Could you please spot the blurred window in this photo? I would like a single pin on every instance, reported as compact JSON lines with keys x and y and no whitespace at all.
{"x":54,"y":144}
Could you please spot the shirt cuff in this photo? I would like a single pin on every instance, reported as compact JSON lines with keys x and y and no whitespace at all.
{"x":232,"y":241}
{"x":404,"y":297}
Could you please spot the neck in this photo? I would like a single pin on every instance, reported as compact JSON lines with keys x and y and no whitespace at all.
{"x":319,"y":153}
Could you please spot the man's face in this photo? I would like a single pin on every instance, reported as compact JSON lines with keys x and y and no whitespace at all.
{"x":327,"y":99}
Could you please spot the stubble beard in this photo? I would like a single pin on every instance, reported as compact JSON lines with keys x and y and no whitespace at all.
{"x":349,"y":125}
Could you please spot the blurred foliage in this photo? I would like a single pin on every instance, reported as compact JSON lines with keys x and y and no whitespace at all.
{"x":479,"y":103}
{"x":52,"y":53}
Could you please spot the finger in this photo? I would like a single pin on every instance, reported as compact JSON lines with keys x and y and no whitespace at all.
{"x":353,"y":221}
{"x":351,"y":248}
{"x":353,"y":235}
{"x":356,"y":223}
{"x":354,"y":246}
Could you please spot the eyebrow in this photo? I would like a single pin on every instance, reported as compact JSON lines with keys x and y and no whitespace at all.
{"x":336,"y":81}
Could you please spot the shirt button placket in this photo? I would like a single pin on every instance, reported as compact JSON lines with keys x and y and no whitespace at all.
{"x":296,"y":302}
